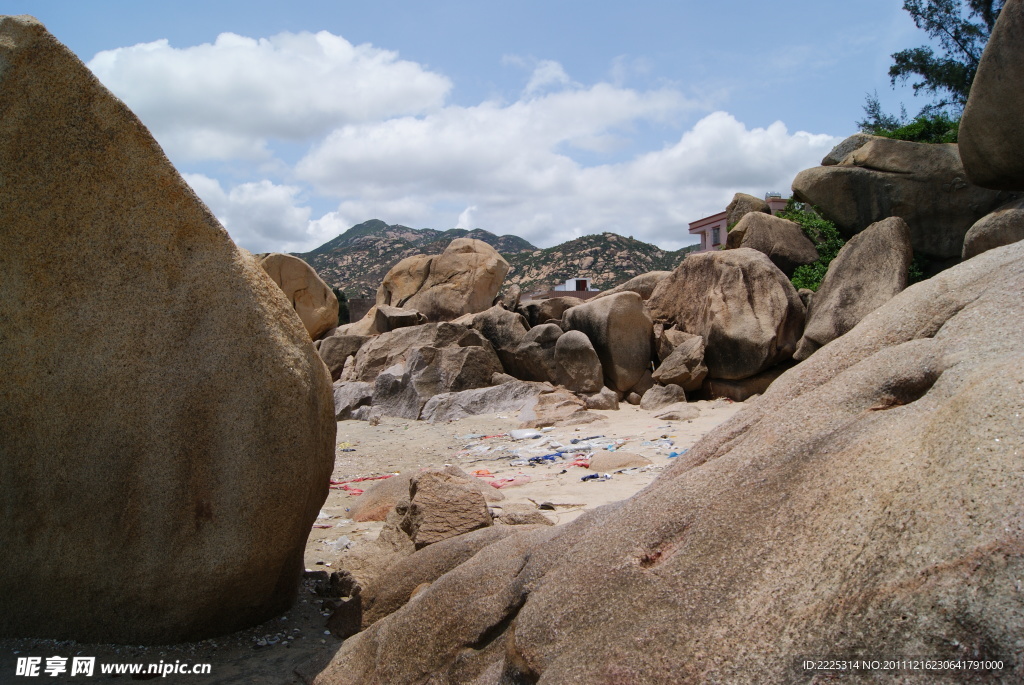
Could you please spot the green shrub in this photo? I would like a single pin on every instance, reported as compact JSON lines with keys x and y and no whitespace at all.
{"x":826,"y":239}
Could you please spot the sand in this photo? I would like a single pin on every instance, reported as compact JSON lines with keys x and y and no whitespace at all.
{"x":272,"y":653}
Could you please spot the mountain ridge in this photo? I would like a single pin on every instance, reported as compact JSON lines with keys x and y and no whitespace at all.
{"x":357,"y":260}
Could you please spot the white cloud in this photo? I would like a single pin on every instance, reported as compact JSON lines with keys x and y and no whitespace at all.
{"x":260,"y":216}
{"x":383,"y":144}
{"x":226,"y":99}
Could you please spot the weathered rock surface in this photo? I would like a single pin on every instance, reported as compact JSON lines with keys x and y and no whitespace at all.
{"x":535,"y":354}
{"x":168,"y":439}
{"x":441,"y":506}
{"x":1001,"y":227}
{"x":550,"y":309}
{"x":643,"y":285}
{"x":843,"y":150}
{"x":782,"y":240}
{"x":507,"y":397}
{"x":557,"y":408}
{"x":390,"y":590}
{"x":403,"y":389}
{"x":382,"y":496}
{"x":921,"y":183}
{"x":680,"y":411}
{"x":394,"y":347}
{"x":578,"y":366}
{"x":605,"y":461}
{"x":885,"y":478}
{"x":743,"y":204}
{"x":312,"y":299}
{"x":992,"y":127}
{"x":620,"y":331}
{"x":336,"y":349}
{"x":349,"y":396}
{"x":684,"y":366}
{"x":504,"y":330}
{"x":387,"y":318}
{"x":747,"y":311}
{"x":463,"y":279}
{"x":869,"y":271}
{"x":743,"y":389}
{"x":605,"y":398}
{"x":659,"y":396}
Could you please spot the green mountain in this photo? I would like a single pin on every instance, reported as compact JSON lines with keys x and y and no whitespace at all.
{"x":358,"y":259}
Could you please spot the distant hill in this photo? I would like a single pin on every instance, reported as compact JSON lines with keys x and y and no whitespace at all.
{"x":358,"y":259}
{"x":607,"y":259}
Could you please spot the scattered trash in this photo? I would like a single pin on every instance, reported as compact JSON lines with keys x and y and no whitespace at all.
{"x":592,"y":437}
{"x":548,"y":506}
{"x":673,"y":455}
{"x":546,"y":457}
{"x":584,"y":463}
{"x":323,"y":525}
{"x":518,"y":462}
{"x":523,"y":434}
{"x":510,"y":482}
{"x":481,"y":473}
{"x":596,"y":476}
{"x":340,"y":544}
{"x":347,"y":449}
{"x":322,"y":515}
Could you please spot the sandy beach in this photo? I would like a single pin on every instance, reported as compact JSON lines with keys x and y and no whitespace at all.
{"x":280,"y":650}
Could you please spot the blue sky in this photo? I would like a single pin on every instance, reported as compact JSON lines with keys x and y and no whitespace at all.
{"x":548,"y":120}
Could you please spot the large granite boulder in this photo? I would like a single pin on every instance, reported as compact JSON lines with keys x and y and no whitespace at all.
{"x":535,"y":354}
{"x":167,"y":427}
{"x":684,"y":366}
{"x":870,"y":502}
{"x":394,"y":347}
{"x":463,"y":279}
{"x":508,"y":397}
{"x":992,"y":127}
{"x":869,"y":271}
{"x":620,"y":331}
{"x":643,"y":285}
{"x":782,"y":240}
{"x":1001,"y":227}
{"x":312,"y":299}
{"x":548,"y":309}
{"x":403,"y":389}
{"x":336,"y":350}
{"x":747,"y":311}
{"x":579,"y":367}
{"x":743,"y":204}
{"x":504,"y":329}
{"x":924,"y":184}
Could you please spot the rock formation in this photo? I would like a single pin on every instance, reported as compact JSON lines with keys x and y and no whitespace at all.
{"x":782,"y":240}
{"x":868,"y":503}
{"x":464,"y":279}
{"x":312,"y":299}
{"x":992,"y":127}
{"x":747,"y":311}
{"x":168,"y":429}
{"x":924,"y":184}
{"x":620,"y":332}
{"x":1001,"y":227}
{"x":868,"y":271}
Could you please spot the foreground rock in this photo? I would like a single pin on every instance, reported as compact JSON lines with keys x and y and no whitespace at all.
{"x":992,"y":128}
{"x":463,"y":279}
{"x":869,"y":271}
{"x":870,"y":502}
{"x":168,"y":439}
{"x":312,"y":299}
{"x":923,"y":184}
{"x":747,"y":311}
{"x":643,"y":285}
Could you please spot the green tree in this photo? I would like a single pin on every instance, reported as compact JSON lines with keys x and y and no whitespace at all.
{"x":961,"y":28}
{"x":826,"y":239}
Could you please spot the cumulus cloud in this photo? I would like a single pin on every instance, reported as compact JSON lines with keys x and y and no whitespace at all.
{"x":225,"y":99}
{"x":261,"y":216}
{"x":380,"y":140}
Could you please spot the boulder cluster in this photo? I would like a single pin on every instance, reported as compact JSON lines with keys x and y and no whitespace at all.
{"x":869,"y":502}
